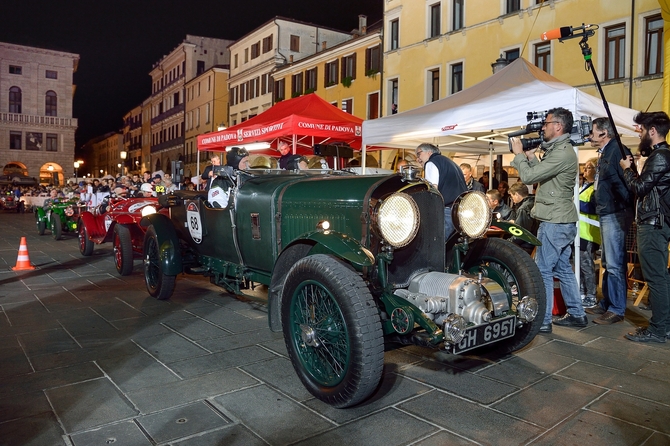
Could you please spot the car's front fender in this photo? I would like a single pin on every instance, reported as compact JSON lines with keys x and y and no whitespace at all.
{"x":168,"y":243}
{"x":342,"y":246}
{"x":41,"y":214}
{"x":517,"y":231}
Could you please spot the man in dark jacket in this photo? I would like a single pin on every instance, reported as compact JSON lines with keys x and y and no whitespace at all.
{"x":521,"y":212}
{"x":445,"y":175}
{"x":500,"y":209}
{"x":614,"y":206}
{"x":653,"y":221}
{"x":470,"y":180}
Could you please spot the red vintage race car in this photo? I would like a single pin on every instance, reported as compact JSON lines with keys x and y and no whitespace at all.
{"x":117,"y":221}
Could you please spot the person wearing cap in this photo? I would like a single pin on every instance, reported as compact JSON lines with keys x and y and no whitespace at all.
{"x":285,"y":151}
{"x":238,"y":158}
{"x":147,"y":190}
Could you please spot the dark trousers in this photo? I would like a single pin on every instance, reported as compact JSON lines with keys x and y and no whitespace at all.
{"x":652,"y":243}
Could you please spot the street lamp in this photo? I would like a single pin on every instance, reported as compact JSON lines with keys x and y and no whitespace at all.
{"x":76,"y":167}
{"x":120,"y":171}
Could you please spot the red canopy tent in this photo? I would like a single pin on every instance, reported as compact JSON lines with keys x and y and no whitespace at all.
{"x":301,"y":122}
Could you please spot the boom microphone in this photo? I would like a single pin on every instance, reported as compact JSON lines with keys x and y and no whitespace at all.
{"x":568,"y":32}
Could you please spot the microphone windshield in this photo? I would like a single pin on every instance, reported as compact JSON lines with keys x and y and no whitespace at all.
{"x":558,"y":33}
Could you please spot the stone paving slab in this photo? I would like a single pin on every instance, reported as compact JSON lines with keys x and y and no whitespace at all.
{"x":78,"y":340}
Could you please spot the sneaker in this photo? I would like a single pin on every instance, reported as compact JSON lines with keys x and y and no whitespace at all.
{"x":597,"y":309}
{"x":588,"y":302}
{"x":608,"y":318}
{"x":569,"y":320}
{"x":644,"y":335}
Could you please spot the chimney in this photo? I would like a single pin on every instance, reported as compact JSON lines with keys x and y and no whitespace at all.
{"x":323,"y":45}
{"x":362,"y":23}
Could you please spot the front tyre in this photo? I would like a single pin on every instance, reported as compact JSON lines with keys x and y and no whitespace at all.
{"x":56,"y":226}
{"x":123,"y":250}
{"x":519,"y":276}
{"x":41,"y":224}
{"x":85,"y":245}
{"x":159,"y":284}
{"x":332,"y":331}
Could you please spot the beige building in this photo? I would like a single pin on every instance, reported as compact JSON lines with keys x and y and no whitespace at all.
{"x":346,"y":75}
{"x":167,"y":103}
{"x":255,"y":56}
{"x":131,"y":157}
{"x":106,"y":155}
{"x":36,"y":124}
{"x":433,"y":49}
{"x":206,"y":111}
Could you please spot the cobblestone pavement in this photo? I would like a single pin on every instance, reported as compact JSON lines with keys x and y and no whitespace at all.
{"x":88,"y":358}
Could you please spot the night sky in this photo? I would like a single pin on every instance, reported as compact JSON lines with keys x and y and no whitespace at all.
{"x":118,"y":41}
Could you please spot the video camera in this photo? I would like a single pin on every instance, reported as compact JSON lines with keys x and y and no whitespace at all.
{"x":579,"y":134}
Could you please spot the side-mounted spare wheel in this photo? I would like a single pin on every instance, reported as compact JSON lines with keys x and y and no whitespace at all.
{"x":519,"y":276}
{"x":159,"y":285}
{"x":332,"y":330}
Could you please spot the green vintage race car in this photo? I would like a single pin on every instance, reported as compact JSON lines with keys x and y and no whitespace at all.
{"x":59,"y":217}
{"x":351,"y":262}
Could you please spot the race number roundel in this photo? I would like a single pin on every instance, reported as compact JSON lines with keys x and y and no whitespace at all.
{"x":193,"y":221}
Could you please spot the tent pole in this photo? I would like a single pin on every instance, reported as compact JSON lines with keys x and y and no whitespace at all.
{"x":295,"y":142}
{"x":363,"y":159}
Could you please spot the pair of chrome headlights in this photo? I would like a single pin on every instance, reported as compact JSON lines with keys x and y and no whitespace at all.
{"x":398,"y":217}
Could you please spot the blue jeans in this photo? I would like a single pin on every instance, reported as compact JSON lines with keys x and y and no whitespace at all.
{"x":448,"y":223}
{"x":613,"y":229}
{"x":553,"y":260}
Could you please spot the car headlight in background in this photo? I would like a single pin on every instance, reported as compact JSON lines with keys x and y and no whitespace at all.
{"x":471,"y":214}
{"x":148,"y":210}
{"x":398,"y":219}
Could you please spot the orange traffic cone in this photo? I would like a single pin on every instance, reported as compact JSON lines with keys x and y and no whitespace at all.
{"x":23,"y":261}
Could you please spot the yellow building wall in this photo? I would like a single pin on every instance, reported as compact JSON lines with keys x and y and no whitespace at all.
{"x":488,"y":33}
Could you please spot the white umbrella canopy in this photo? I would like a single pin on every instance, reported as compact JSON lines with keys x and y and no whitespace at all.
{"x":484,"y":113}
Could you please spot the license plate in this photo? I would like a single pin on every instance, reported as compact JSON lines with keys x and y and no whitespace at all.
{"x":486,"y":334}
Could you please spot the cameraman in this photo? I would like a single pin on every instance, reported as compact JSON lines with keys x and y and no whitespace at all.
{"x":556,"y":211}
{"x":653,"y":221}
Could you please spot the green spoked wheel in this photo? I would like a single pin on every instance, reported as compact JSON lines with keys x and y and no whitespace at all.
{"x":332,"y":330}
{"x":518,"y":275}
{"x":159,"y":284}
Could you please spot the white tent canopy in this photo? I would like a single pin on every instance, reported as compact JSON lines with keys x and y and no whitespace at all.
{"x":468,"y":120}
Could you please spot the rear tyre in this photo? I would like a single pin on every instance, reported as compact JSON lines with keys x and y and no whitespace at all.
{"x":41,"y":224}
{"x":332,"y":331}
{"x":85,"y":245}
{"x":56,"y":226}
{"x":123,"y":250}
{"x":519,"y":276}
{"x":159,"y":285}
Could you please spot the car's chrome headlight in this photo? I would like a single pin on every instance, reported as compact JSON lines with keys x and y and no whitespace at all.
{"x":398,"y":219}
{"x":148,"y":210}
{"x":471,"y":214}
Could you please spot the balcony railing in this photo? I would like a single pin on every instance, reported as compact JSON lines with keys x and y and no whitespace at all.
{"x":168,"y":144}
{"x":173,"y":111}
{"x":38,"y":120}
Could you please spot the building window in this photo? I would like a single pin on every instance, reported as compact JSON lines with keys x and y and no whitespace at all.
{"x":434,"y":20}
{"x":51,"y":104}
{"x":255,"y":50}
{"x":543,"y":56}
{"x":653,"y":45}
{"x":207,"y":113}
{"x":310,"y":80}
{"x":232,"y":99}
{"x":246,"y":55}
{"x":15,"y":69}
{"x":393,"y":96}
{"x":349,"y":67}
{"x":279,"y":93}
{"x":457,"y":15}
{"x":512,"y":6}
{"x":394,"y":43}
{"x":512,"y":55}
{"x":373,"y":106}
{"x":33,"y":141}
{"x":331,"y":73}
{"x":15,"y":140}
{"x":267,"y":44}
{"x":266,"y":83}
{"x":615,"y":47}
{"x":51,"y":74}
{"x":348,"y":106}
{"x":296,"y":85}
{"x":434,"y":85}
{"x":295,"y":43}
{"x":15,"y":100}
{"x":372,"y":60}
{"x":235,"y":59}
{"x":200,"y":67}
{"x":52,"y":142}
{"x":456,"y":77}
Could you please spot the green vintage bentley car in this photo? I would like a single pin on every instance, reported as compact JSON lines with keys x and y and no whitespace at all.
{"x":351,"y":262}
{"x":59,"y":217}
